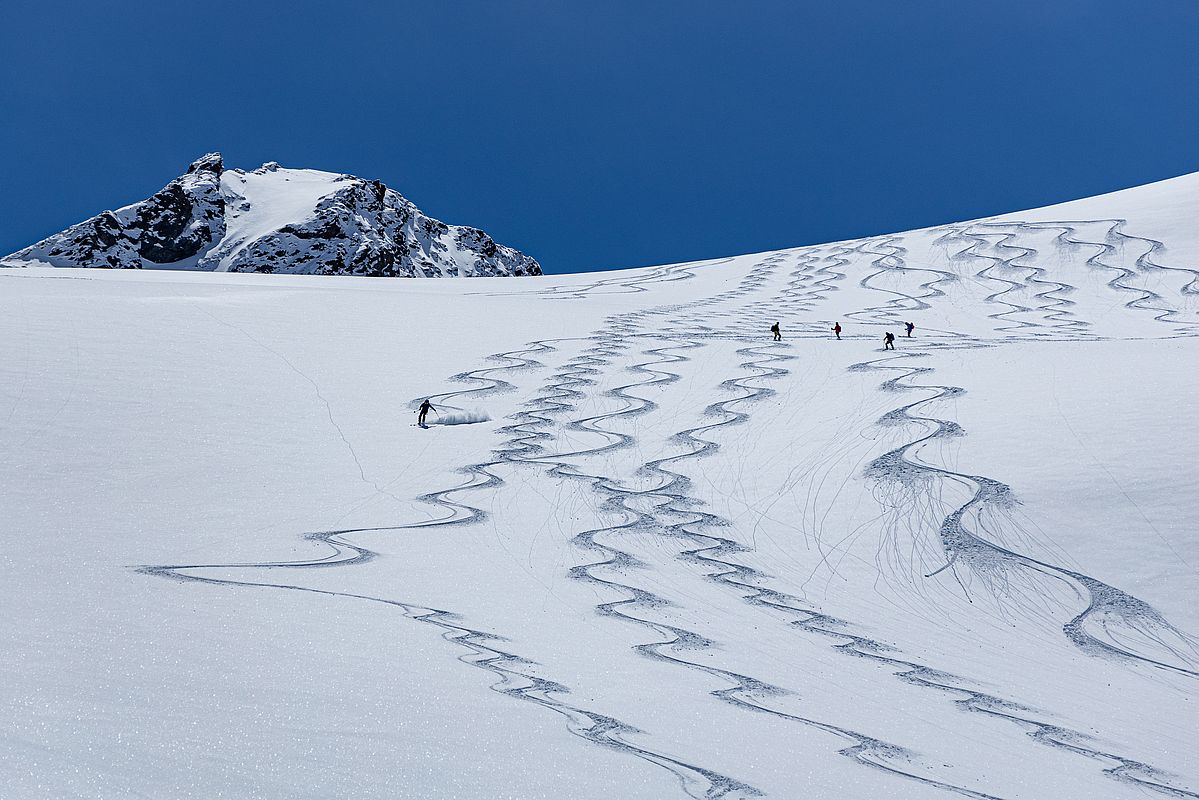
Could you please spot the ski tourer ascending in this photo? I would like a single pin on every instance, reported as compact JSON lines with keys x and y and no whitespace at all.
{"x":424,"y":410}
{"x":911,"y":326}
{"x":777,"y":333}
{"x":889,"y":341}
{"x":837,"y":330}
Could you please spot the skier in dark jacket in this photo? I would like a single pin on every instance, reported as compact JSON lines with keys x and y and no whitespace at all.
{"x":775,"y":330}
{"x":889,"y":341}
{"x":911,"y":326}
{"x":425,"y":407}
{"x":837,"y":329}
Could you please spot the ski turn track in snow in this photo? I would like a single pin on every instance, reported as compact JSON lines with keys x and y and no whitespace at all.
{"x":883,"y":533}
{"x":646,"y":552}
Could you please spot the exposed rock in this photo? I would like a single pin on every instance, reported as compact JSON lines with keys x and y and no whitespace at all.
{"x":212,"y":218}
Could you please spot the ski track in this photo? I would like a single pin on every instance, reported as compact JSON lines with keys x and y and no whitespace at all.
{"x":695,"y":780}
{"x":674,"y":330}
{"x":983,"y":556}
{"x":1147,"y":300}
{"x":1055,"y":312}
{"x":712,"y":550}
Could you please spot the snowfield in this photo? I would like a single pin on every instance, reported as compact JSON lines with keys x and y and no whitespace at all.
{"x":654,"y":555}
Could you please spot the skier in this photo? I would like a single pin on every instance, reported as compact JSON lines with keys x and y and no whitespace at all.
{"x":889,"y":341}
{"x":837,"y":330}
{"x":911,"y":326}
{"x":778,"y":336}
{"x":425,"y":407}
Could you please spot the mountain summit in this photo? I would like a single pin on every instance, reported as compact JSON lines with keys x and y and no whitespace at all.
{"x":273,"y":219}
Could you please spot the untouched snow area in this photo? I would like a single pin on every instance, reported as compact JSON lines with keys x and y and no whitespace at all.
{"x":659,"y":555}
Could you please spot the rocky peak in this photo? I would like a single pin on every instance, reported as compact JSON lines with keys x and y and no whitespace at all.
{"x":210,"y":162}
{"x":275,"y":219}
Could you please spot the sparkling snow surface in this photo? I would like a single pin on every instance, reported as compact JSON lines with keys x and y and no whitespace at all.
{"x":679,"y":560}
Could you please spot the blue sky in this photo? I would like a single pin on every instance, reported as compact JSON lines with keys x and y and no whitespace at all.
{"x":596,"y":135}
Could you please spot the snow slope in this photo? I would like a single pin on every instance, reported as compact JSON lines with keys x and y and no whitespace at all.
{"x":675,"y":559}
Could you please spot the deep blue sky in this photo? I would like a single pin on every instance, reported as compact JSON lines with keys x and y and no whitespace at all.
{"x":607,"y":134}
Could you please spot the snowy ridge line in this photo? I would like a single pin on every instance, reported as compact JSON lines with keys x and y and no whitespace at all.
{"x":961,"y":544}
{"x":1054,"y":311}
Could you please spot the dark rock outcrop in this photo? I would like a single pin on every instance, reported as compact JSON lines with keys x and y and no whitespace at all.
{"x":210,"y":218}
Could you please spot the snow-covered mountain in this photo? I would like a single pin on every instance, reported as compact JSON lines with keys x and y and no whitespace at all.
{"x":277,"y":220}
{"x":642,"y":552}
